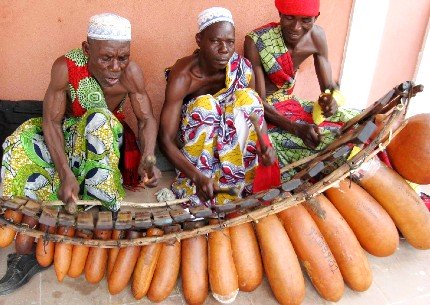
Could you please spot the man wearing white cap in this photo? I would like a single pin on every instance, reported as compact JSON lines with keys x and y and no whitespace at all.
{"x":208,"y":101}
{"x":74,"y":151}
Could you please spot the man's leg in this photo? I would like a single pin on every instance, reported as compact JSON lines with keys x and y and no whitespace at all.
{"x":244,"y":138}
{"x":27,"y":170}
{"x":291,"y":148}
{"x":95,"y":155}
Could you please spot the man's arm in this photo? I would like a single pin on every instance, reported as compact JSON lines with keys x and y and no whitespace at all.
{"x":176,"y":90}
{"x":323,"y":71}
{"x":54,"y":107}
{"x":146,"y":123}
{"x":308,"y":133}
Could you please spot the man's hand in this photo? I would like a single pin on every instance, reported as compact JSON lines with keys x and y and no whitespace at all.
{"x":268,"y":157}
{"x":328,"y":104}
{"x":309,"y":133}
{"x":69,"y":189}
{"x":205,"y":187}
{"x":149,"y":173}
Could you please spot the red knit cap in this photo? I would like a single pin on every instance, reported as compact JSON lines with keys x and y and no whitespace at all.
{"x":298,"y":7}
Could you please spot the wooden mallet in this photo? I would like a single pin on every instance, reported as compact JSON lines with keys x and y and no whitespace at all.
{"x":232,"y":191}
{"x":254,"y":120}
{"x":148,"y":165}
{"x":71,"y":207}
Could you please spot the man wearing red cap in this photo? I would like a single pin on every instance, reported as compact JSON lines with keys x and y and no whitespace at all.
{"x":276,"y":50}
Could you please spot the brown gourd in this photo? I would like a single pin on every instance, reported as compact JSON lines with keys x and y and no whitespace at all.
{"x":346,"y":249}
{"x":246,"y":256}
{"x":124,"y":265}
{"x":166,"y":272}
{"x":7,"y":234}
{"x":223,"y":279}
{"x":409,"y":151}
{"x":194,"y":269}
{"x":45,"y":249}
{"x":280,"y":262}
{"x":373,"y":227}
{"x":63,"y":253}
{"x":95,"y":266}
{"x":113,"y":252}
{"x":79,"y":254}
{"x":24,"y":243}
{"x":145,"y":266}
{"x":313,"y":252}
{"x":400,"y":201}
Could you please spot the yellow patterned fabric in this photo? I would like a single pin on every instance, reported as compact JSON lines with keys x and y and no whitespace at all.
{"x":218,"y":137}
{"x":92,"y":147}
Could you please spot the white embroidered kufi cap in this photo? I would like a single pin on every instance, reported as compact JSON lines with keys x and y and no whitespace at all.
{"x":213,"y":15}
{"x":108,"y":26}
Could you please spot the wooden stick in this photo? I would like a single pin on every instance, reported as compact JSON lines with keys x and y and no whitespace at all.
{"x":232,"y":191}
{"x":123,"y":204}
{"x":71,"y":207}
{"x":254,"y":120}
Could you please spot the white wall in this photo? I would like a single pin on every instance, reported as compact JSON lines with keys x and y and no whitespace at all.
{"x":421,"y":102}
{"x":362,"y":50}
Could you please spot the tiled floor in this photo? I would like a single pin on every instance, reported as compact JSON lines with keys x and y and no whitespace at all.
{"x":401,"y":279}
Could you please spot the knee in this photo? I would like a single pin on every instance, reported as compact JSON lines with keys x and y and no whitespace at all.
{"x":98,"y":118}
{"x":205,"y":102}
{"x":203,"y":109}
{"x":247,"y":97}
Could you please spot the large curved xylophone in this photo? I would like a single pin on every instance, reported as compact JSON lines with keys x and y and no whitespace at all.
{"x":273,"y":232}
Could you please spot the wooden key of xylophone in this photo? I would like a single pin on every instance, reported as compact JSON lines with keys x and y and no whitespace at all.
{"x":191,"y":225}
{"x":179,"y":214}
{"x":309,"y":172}
{"x":14,"y":203}
{"x":32,"y":208}
{"x":162,"y":218}
{"x":291,"y":185}
{"x":65,"y":219}
{"x":85,"y":221}
{"x":224,"y":208}
{"x":104,"y":221}
{"x":201,"y":211}
{"x":49,"y":217}
{"x":142,"y":220}
{"x":247,"y":203}
{"x":359,"y":135}
{"x":266,"y":197}
{"x":124,"y":220}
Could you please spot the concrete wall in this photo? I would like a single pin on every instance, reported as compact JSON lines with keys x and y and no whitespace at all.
{"x":35,"y":32}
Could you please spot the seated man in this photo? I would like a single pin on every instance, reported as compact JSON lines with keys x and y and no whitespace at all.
{"x":74,"y":150}
{"x":208,"y":103}
{"x":276,"y":50}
